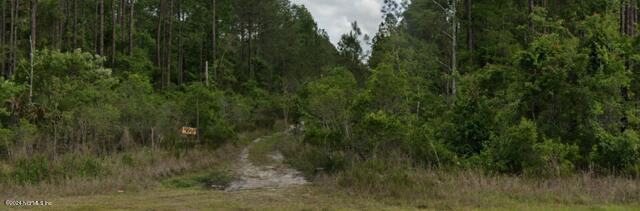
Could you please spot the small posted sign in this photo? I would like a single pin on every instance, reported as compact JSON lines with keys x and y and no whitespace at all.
{"x":189,"y":131}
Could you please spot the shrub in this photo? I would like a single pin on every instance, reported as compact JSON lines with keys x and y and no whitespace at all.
{"x":5,"y":141}
{"x":427,"y":148}
{"x":32,"y":170}
{"x":311,"y":159}
{"x":552,"y":159}
{"x":379,"y":132}
{"x":127,"y":160}
{"x":510,"y":151}
{"x":83,"y":166}
{"x":326,"y":108}
{"x":617,"y":153}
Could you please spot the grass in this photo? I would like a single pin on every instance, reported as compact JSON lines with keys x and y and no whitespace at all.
{"x":372,"y":185}
{"x":442,"y":190}
{"x":137,"y":170}
{"x":213,"y":178}
{"x":312,"y":197}
{"x":298,"y":198}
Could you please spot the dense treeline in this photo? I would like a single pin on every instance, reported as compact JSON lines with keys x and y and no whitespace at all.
{"x":109,"y":76}
{"x":541,"y":88}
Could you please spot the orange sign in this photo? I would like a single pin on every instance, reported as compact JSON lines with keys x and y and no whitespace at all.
{"x":189,"y":131}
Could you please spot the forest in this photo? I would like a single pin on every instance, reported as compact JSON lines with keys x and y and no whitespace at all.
{"x":538,"y":90}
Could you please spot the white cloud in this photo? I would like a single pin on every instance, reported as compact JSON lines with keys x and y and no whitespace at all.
{"x":335,"y":16}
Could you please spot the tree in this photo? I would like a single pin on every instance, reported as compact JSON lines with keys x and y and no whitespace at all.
{"x":114,"y":37}
{"x":350,"y":48}
{"x":628,"y":17}
{"x":469,"y":8}
{"x":101,"y":38}
{"x":451,"y":11}
{"x":131,"y":27}
{"x":33,"y":39}
{"x":214,"y":40}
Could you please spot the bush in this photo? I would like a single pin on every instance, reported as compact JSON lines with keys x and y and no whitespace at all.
{"x":83,"y":166}
{"x":206,"y":107}
{"x":326,"y":108}
{"x":510,"y":151}
{"x":128,"y":160}
{"x":427,"y":148}
{"x":5,"y":141}
{"x":312,"y":159}
{"x":620,"y":154}
{"x":32,"y":170}
{"x":379,"y":132}
{"x":552,"y":159}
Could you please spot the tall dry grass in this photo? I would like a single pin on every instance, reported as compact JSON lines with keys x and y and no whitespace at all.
{"x":442,"y":189}
{"x":142,"y":169}
{"x":395,"y":178}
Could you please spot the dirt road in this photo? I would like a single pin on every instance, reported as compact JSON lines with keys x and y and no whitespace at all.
{"x":277,"y":175}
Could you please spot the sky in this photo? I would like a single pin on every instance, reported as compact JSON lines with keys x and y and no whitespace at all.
{"x":335,"y":16}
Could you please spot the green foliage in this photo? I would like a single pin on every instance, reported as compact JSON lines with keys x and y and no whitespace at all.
{"x":5,"y":141}
{"x":8,"y":92}
{"x":510,"y":150}
{"x":552,"y":159}
{"x":83,"y":166}
{"x":312,"y":159}
{"x":32,"y":170}
{"x":326,"y":104}
{"x":620,"y":154}
{"x":427,"y":147}
{"x":204,"y":109}
{"x":386,"y":90}
{"x":379,"y":132}
{"x":542,"y":92}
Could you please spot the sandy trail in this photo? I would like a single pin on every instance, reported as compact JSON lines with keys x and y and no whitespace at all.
{"x":270,"y":176}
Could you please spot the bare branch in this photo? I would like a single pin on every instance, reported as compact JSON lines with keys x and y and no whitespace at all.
{"x":440,"y":5}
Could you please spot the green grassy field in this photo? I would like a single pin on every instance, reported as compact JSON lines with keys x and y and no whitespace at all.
{"x":298,"y":198}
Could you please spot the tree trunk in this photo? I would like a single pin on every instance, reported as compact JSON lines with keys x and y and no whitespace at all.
{"x":122,"y":13}
{"x":131,"y":21}
{"x":454,"y":48}
{"x":201,"y":69}
{"x":159,"y":42}
{"x":214,"y":44}
{"x":32,"y":39}
{"x":468,"y":4}
{"x":101,"y":41}
{"x":250,"y":40}
{"x":628,"y":20}
{"x":2,"y":38}
{"x":531,"y":6}
{"x":34,"y":12}
{"x":169,"y":41}
{"x":75,"y":25}
{"x":113,"y":31}
{"x":180,"y":45}
{"x":12,"y":39}
{"x":68,"y":16}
